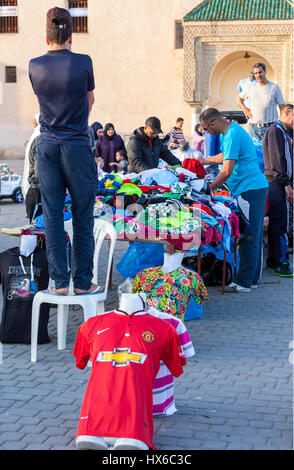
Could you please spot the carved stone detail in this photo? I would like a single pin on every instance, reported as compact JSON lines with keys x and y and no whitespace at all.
{"x":205,"y":45}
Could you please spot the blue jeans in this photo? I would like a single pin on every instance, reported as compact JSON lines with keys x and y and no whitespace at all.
{"x":257,"y":132}
{"x":251,"y":238}
{"x":71,"y":167}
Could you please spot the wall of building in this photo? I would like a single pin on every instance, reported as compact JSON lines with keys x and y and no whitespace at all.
{"x":19,"y":103}
{"x":138,"y":72}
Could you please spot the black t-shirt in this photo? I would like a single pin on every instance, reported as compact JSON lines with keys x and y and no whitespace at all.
{"x":61,"y":80}
{"x":18,"y":288}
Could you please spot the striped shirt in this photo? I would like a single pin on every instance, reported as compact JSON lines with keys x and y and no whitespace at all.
{"x":163,"y":387}
{"x":177,"y":138}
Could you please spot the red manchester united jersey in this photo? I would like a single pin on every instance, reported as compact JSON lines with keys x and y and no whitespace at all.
{"x":125,"y":351}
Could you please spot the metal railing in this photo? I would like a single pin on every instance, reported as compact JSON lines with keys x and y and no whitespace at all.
{"x":8,"y":24}
{"x":80,"y":23}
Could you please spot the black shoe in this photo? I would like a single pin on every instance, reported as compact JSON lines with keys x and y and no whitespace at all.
{"x":270,"y":264}
{"x":283,"y":270}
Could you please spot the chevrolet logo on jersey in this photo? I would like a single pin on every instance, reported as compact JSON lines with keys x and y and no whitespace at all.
{"x":121,"y":357}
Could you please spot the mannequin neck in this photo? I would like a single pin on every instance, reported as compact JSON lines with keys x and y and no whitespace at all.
{"x":27,"y":244}
{"x":131,"y":303}
{"x":172,"y":262}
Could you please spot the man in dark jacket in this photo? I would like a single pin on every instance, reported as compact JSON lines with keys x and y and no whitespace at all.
{"x":145,"y":148}
{"x":33,"y":195}
{"x":278,"y":162}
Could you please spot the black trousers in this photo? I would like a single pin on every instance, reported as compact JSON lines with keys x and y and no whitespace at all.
{"x":33,"y":197}
{"x":278,"y":225}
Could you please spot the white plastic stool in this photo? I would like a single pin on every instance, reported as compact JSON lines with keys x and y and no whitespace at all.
{"x":92,"y":304}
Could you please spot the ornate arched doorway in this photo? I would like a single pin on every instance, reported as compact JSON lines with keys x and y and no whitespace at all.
{"x":226,"y":75}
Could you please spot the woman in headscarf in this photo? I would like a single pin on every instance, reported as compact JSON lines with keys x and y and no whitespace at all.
{"x":107,"y":146}
{"x":98,"y":130}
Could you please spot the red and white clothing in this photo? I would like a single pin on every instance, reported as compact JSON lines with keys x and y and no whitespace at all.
{"x":125,"y":351}
{"x":163,"y":387}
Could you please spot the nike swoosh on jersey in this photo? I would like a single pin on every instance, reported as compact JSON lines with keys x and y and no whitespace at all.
{"x":101,"y":331}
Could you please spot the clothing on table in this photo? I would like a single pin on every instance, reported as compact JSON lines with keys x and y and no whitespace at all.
{"x":237,"y":145}
{"x":176,"y":138}
{"x":221,"y":209}
{"x":125,"y":351}
{"x":63,"y":78}
{"x":163,"y":386}
{"x":162,"y":177}
{"x":106,"y":149}
{"x":193,"y":165}
{"x":264,"y":100}
{"x":197,"y":142}
{"x":170,"y":292}
{"x":21,"y":277}
{"x":144,"y":153}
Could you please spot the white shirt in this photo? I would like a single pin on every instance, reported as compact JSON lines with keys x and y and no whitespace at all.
{"x":242,"y":86}
{"x":264,"y":100}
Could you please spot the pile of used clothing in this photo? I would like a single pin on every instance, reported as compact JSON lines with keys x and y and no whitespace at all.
{"x":173,"y":203}
{"x":38,"y":221}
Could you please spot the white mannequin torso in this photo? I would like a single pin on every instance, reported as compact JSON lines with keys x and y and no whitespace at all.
{"x":172,"y":262}
{"x":130,"y":303}
{"x":27,"y":244}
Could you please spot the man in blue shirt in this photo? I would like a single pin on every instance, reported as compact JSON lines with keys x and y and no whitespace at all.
{"x":64,"y":82}
{"x":241,"y":172}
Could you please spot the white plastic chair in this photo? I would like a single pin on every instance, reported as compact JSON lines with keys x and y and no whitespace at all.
{"x":92,"y":304}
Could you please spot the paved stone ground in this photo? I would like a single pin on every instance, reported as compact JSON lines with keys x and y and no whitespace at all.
{"x":235,"y":393}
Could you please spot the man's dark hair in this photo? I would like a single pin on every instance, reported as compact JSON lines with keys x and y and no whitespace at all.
{"x":56,"y":35}
{"x":179,"y":119}
{"x":286,"y":106}
{"x":123,"y":153}
{"x":259,"y":64}
{"x":209,"y":115}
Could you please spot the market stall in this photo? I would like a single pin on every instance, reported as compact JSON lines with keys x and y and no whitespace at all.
{"x":166,"y":205}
